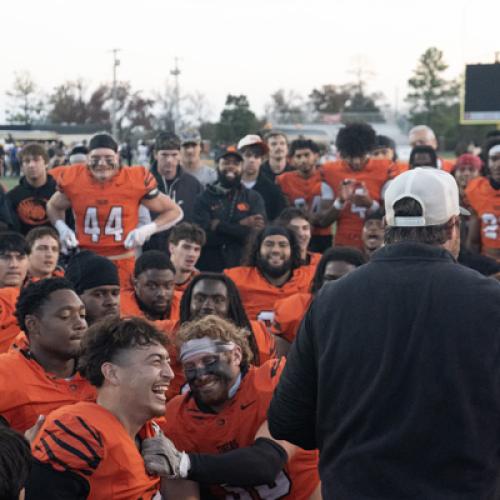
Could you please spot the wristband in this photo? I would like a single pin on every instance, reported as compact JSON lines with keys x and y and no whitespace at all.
{"x":338,"y":204}
{"x":60,"y":226}
{"x":374,"y":206}
{"x":185,"y":465}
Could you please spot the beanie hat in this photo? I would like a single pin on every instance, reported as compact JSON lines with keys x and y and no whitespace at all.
{"x":88,"y":270}
{"x":103,"y":141}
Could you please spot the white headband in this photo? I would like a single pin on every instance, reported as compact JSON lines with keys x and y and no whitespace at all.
{"x":494,"y":150}
{"x":205,"y":345}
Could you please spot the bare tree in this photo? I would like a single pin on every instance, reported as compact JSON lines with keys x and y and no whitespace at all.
{"x":197,"y":109}
{"x":28,"y":104}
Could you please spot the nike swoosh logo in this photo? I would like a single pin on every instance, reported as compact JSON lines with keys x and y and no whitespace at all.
{"x":244,"y":407}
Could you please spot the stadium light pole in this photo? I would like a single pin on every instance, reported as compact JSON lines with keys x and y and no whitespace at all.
{"x":114,"y":124}
{"x":176,"y":73}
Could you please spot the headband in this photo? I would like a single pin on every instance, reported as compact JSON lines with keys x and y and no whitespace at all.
{"x":205,"y":345}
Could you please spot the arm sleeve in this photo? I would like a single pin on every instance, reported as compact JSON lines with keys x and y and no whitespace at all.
{"x":253,"y":465}
{"x":44,"y":482}
{"x":292,"y":412}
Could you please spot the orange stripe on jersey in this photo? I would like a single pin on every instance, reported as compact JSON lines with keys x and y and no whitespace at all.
{"x":258,"y":295}
{"x":105,"y":212}
{"x":485,"y":201}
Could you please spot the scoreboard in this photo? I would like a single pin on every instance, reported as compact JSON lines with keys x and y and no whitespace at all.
{"x":481,"y":94}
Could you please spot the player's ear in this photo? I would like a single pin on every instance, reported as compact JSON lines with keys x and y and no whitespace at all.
{"x":171,"y":247}
{"x":237,"y":355}
{"x":110,"y":373}
{"x":32,"y":325}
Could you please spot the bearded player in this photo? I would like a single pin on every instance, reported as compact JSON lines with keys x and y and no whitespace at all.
{"x":105,"y":199}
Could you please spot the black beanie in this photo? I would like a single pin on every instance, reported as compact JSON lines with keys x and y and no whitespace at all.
{"x":103,"y":141}
{"x":88,"y":270}
{"x":272,"y":230}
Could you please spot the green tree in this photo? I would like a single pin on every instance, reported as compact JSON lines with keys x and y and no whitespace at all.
{"x":27,"y":105}
{"x":433,"y":99}
{"x":236,"y":120}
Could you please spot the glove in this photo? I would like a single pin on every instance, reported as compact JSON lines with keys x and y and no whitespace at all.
{"x":66,"y":236}
{"x":137,"y":237}
{"x":161,"y":457}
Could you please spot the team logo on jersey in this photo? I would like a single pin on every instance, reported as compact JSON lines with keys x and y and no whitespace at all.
{"x":243,"y":207}
{"x":32,"y":211}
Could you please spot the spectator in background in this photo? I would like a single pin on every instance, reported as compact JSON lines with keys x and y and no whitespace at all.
{"x":228,"y":212}
{"x":483,"y":194}
{"x":29,"y":198}
{"x":373,"y":233}
{"x":78,"y":155}
{"x":58,"y":159}
{"x":423,"y":156}
{"x":253,"y":149}
{"x":185,"y":242}
{"x":467,"y":167}
{"x":277,"y":161}
{"x":143,"y":154}
{"x":3,"y":171}
{"x":422,"y":135}
{"x":191,"y":158}
{"x":172,"y":180}
{"x":15,"y":463}
{"x":296,"y":219}
{"x":126,"y":152}
{"x":14,"y":163}
{"x":44,"y":249}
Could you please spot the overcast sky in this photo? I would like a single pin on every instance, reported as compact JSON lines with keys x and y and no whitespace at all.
{"x":253,"y":47}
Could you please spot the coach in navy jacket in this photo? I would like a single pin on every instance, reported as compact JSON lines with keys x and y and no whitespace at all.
{"x":395,"y":372}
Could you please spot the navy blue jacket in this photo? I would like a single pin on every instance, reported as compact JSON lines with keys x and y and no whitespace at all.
{"x":395,"y":377}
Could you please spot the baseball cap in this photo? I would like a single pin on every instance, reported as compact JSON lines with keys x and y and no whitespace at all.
{"x":190,"y":136}
{"x":253,"y":140}
{"x":435,"y":190}
{"x":229,"y":151}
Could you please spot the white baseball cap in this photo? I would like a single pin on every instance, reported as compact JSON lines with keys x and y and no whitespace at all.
{"x":435,"y":190}
{"x":252,"y":140}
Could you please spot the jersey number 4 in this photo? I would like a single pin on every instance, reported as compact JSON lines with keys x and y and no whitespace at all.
{"x":113,"y":226}
{"x":490,"y":226}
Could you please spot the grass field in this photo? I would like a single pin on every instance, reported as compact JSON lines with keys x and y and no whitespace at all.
{"x":9,"y":182}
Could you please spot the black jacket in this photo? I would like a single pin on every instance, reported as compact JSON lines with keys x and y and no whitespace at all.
{"x":28,"y":203}
{"x":183,"y":189}
{"x":224,"y":246}
{"x":272,"y":195}
{"x":266,"y":171}
{"x":6,"y":219}
{"x":395,"y":376}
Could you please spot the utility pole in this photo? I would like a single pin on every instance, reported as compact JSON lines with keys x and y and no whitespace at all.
{"x":114,"y":125}
{"x":176,"y":73}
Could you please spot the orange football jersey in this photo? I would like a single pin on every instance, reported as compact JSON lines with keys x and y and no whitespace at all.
{"x":130,"y":307}
{"x":303,"y":193}
{"x":181,"y":287}
{"x":8,"y":322}
{"x":288,"y":314}
{"x":258,"y":295}
{"x":350,"y":223}
{"x":235,"y":426}
{"x":90,"y":441}
{"x":485,"y":201}
{"x":105,"y":212}
{"x":35,"y":391}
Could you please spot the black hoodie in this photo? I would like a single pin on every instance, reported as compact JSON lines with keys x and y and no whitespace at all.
{"x":29,"y":203}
